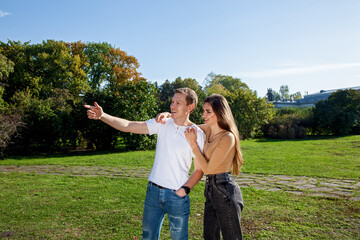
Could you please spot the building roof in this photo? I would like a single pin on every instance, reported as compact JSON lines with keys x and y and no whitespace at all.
{"x":329,"y":92}
{"x":311,"y":99}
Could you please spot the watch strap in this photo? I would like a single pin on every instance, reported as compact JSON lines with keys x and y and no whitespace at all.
{"x":186,"y":188}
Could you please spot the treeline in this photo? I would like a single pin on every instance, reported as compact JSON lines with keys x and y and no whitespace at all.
{"x":43,"y":88}
{"x":338,"y":115}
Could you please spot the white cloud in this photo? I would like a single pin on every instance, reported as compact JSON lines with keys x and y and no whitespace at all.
{"x":298,"y":70}
{"x":3,"y":13}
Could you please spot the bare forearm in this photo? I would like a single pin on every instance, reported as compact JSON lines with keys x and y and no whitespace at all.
{"x":115,"y":122}
{"x":194,"y":178}
{"x":124,"y":125}
{"x":201,"y":160}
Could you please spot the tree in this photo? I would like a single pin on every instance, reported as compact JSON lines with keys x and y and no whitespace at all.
{"x":123,"y":67}
{"x":48,"y":84}
{"x":289,"y":123}
{"x":109,"y":66}
{"x":283,"y":94}
{"x":228,"y":82}
{"x":45,"y":86}
{"x":250,"y":112}
{"x":41,"y":68}
{"x":166,"y":92}
{"x":98,"y":70}
{"x":9,"y":129}
{"x":6,"y":67}
{"x":296,"y":96}
{"x":134,"y":101}
{"x":58,"y":68}
{"x":137,"y":101}
{"x":20,"y":78}
{"x":323,"y":118}
{"x":340,"y":114}
{"x":9,"y":122}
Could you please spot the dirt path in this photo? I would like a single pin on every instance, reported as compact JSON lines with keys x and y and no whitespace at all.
{"x":323,"y":187}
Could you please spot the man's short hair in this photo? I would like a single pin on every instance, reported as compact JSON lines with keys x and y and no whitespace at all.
{"x":190,"y":94}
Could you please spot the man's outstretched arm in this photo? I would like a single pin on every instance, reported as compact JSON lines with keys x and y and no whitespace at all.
{"x":96,"y":113}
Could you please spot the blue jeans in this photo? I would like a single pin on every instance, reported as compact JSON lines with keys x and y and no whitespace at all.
{"x":223,"y":207}
{"x":160,"y":201}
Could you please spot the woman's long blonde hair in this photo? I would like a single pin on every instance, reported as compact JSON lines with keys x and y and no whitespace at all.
{"x":226,"y":121}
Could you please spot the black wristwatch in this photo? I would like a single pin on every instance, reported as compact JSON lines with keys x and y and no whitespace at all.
{"x":187,"y":189}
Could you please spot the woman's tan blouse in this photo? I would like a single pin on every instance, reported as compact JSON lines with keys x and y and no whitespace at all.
{"x":218,"y":154}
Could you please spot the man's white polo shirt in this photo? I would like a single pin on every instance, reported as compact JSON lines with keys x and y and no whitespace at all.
{"x":173,"y":155}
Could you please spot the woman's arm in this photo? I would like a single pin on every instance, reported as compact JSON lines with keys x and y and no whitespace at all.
{"x":217,"y":157}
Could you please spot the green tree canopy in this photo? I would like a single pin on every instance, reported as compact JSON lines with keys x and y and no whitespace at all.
{"x":228,"y":83}
{"x":340,"y":114}
{"x":46,"y":83}
{"x":6,"y":67}
{"x":250,"y":112}
{"x":283,"y":94}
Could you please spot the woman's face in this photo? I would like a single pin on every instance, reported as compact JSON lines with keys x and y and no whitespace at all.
{"x":209,"y":114}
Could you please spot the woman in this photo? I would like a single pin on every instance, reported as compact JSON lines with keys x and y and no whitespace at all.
{"x":221,"y":153}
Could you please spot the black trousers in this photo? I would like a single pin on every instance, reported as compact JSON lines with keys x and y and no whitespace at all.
{"x":223,"y":207}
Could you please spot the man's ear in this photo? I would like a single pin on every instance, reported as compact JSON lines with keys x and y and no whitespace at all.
{"x":191,"y":107}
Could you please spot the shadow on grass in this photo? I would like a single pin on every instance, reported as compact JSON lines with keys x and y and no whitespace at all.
{"x":39,"y":155}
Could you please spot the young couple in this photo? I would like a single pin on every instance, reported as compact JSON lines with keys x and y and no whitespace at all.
{"x":216,"y":151}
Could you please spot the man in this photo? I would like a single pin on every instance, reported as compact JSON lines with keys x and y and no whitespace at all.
{"x":169,"y":183}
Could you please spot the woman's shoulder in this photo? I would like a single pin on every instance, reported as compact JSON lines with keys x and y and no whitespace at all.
{"x":204,"y":127}
{"x":228,"y":137}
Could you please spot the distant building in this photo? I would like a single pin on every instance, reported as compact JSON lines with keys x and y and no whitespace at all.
{"x":309,"y":100}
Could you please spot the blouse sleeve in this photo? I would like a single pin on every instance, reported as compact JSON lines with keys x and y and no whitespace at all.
{"x":218,"y":156}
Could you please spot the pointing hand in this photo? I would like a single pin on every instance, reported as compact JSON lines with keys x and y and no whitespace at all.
{"x":94,"y":112}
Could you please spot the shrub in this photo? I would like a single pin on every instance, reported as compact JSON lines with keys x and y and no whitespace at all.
{"x":9,"y":126}
{"x":289,"y":123}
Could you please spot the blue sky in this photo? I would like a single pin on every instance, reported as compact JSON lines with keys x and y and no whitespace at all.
{"x":308,"y":45}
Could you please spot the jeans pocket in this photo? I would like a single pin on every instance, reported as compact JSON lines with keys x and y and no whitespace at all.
{"x":174,"y":192}
{"x":179,"y":204}
{"x":222,"y":189}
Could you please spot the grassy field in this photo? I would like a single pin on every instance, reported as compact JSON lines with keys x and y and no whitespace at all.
{"x":324,"y":157}
{"x":61,"y":206}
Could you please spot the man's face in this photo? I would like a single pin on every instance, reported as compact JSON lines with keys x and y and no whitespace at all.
{"x":178,"y":106}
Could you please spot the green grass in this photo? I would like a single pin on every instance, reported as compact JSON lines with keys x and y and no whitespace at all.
{"x":325,"y":157}
{"x":62,"y":206}
{"x":136,"y":159}
{"x":65,"y":207}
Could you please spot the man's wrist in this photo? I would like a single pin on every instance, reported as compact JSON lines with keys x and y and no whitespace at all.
{"x":102,"y":116}
{"x":187,"y":189}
